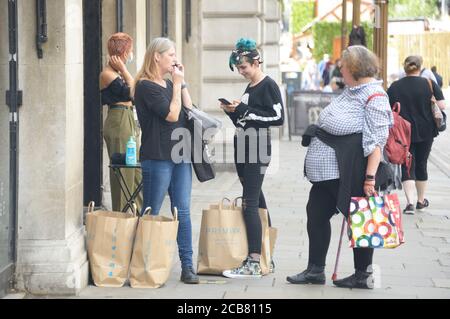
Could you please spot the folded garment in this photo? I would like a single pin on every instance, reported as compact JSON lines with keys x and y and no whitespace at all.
{"x":118,"y":158}
{"x":309,"y":133}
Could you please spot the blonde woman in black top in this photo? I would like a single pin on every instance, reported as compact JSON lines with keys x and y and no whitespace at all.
{"x":159,"y":104}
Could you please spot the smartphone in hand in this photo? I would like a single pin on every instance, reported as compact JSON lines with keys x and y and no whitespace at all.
{"x":224,"y":101}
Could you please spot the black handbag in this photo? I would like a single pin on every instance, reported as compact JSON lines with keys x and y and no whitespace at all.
{"x":202,"y":161}
{"x":384,"y":176}
{"x":204,"y":169}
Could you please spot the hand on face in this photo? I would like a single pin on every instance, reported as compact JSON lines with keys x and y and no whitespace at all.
{"x":177,"y":73}
{"x":178,"y":65}
{"x":117,"y":63}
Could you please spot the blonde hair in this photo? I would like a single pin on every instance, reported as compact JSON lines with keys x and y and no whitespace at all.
{"x":412,"y":64}
{"x":360,"y":61}
{"x":149,"y":68}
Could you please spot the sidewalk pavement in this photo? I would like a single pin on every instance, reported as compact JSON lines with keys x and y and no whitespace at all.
{"x":418,"y":269}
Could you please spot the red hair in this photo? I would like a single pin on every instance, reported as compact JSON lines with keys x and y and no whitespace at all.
{"x":119,"y":44}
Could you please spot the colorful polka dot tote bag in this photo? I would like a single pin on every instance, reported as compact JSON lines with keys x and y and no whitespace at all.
{"x":375,"y":222}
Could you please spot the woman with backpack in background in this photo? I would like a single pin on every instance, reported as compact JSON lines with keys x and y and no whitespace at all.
{"x":414,"y":94}
{"x":345,"y":149}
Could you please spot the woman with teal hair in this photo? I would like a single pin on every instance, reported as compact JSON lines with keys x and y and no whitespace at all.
{"x":259,"y":108}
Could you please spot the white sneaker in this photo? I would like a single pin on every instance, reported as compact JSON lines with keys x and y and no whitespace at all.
{"x":250,"y":269}
{"x":272,"y":267}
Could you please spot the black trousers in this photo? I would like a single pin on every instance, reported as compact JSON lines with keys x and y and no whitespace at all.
{"x":252,"y":177}
{"x":420,"y":153}
{"x":251,"y":174}
{"x":320,"y":208}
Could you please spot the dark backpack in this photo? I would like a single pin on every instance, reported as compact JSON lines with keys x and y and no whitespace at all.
{"x":399,"y":139}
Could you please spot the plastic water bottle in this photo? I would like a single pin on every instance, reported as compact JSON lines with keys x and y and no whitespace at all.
{"x":130,"y":158}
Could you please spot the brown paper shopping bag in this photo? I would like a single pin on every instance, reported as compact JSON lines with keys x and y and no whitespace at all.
{"x":223,"y":239}
{"x":273,"y":233}
{"x":155,"y":244}
{"x":110,"y":238}
{"x":268,"y":238}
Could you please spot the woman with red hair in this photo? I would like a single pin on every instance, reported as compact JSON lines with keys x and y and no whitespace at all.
{"x":116,"y":83}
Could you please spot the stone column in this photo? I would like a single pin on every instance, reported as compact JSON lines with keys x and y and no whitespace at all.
{"x":134,"y":24}
{"x":51,"y":249}
{"x":192,"y":50}
{"x":154,"y":28}
{"x":175,"y":8}
{"x":271,"y":38}
{"x":224,"y":22}
{"x":175,"y":24}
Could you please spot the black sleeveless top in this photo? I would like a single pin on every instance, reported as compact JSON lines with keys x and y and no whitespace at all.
{"x":117,"y":91}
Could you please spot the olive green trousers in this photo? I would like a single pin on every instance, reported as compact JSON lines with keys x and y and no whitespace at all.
{"x":118,"y":127}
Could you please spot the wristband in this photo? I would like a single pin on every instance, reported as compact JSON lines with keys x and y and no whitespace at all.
{"x":183,"y":86}
{"x":370,"y":177}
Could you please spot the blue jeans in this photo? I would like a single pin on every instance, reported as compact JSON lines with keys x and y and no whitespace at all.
{"x":165,"y":176}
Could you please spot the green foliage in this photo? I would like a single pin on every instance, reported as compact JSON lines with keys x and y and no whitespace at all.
{"x":413,"y":8}
{"x":325,"y":32}
{"x":302,"y":13}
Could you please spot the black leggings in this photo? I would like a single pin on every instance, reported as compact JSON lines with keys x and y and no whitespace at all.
{"x":420,"y":153}
{"x":252,"y":177}
{"x":320,"y":208}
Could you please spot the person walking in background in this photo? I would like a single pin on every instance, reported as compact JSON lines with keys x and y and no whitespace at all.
{"x":336,"y":74}
{"x":424,"y":72}
{"x":260,"y":107}
{"x":345,"y":149}
{"x":322,"y":65}
{"x":159,"y":105}
{"x":331,"y":87}
{"x":115,"y":84}
{"x":310,"y":75}
{"x":326,"y":74}
{"x":414,"y":94}
{"x":357,"y":36}
{"x":437,"y":76}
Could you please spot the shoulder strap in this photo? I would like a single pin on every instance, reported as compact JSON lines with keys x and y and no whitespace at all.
{"x":373,"y":96}
{"x":430,"y":85}
{"x":433,"y":99}
{"x":396,"y":107}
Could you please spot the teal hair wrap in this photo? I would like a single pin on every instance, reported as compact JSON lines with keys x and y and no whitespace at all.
{"x":244,"y":48}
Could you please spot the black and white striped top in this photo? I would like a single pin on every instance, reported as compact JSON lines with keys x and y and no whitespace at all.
{"x":261,"y":106}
